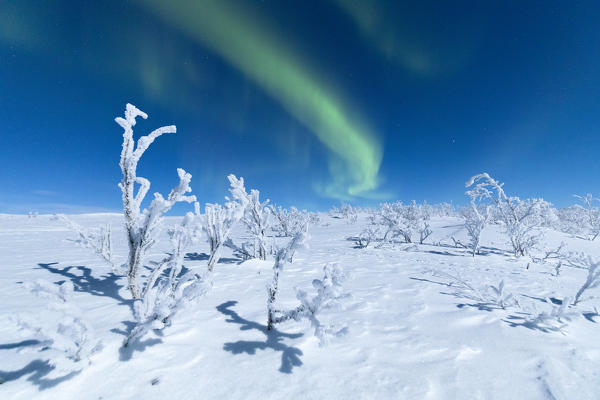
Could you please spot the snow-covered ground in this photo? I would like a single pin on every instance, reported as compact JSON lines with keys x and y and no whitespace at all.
{"x":412,"y":334}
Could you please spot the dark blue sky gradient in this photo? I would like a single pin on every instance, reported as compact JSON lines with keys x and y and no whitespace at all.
{"x":513,"y":89}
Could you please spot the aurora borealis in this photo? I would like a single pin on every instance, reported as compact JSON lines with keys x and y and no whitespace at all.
{"x":255,"y":51}
{"x":314,"y":102}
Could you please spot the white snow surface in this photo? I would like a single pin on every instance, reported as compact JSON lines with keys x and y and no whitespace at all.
{"x":411,"y":335}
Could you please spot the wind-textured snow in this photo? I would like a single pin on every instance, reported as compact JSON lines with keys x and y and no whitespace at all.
{"x":415,"y":329}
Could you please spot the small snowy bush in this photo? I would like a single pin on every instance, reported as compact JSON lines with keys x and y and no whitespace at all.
{"x":163,"y":296}
{"x":346,"y":211}
{"x":64,"y":336}
{"x":573,"y":220}
{"x":99,"y":239}
{"x":592,"y":280}
{"x":143,"y":227}
{"x":410,"y":222}
{"x":521,"y":218}
{"x":592,"y":215}
{"x":256,"y":216}
{"x":367,"y":236}
{"x":475,"y":221}
{"x":329,"y":292}
{"x":289,"y":222}
{"x":476,"y":217}
{"x":220,"y":220}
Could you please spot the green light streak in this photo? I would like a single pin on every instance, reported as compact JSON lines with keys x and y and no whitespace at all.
{"x":247,"y":45}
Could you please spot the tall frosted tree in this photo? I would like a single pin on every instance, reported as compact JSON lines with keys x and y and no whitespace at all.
{"x":142,"y":227}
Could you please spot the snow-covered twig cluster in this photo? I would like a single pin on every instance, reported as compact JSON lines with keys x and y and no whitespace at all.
{"x":491,"y":295}
{"x":521,"y":218}
{"x":592,"y":215}
{"x":166,"y":293}
{"x":368,"y":235}
{"x":64,"y":335}
{"x":346,"y":211}
{"x":476,"y":217}
{"x":220,"y":220}
{"x":410,"y":222}
{"x":329,"y":293}
{"x":592,"y":280}
{"x":99,"y":239}
{"x":289,"y":222}
{"x":256,"y":216}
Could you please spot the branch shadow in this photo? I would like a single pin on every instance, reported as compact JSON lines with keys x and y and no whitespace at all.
{"x":290,"y":356}
{"x":38,"y":370}
{"x":126,"y":353}
{"x":105,"y":286}
{"x":24,"y":343}
{"x":205,"y":257}
{"x":515,"y":321}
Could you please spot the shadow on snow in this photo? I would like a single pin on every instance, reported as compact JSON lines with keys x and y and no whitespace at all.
{"x":37,"y":371}
{"x":290,"y":356}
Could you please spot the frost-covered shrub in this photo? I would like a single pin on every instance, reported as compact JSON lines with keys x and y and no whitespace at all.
{"x":329,"y":292}
{"x":289,"y":222}
{"x":573,"y":220}
{"x":443,"y":210}
{"x":142,"y":227}
{"x":166,"y":293}
{"x":491,"y":296}
{"x":592,"y":215}
{"x":64,"y":336}
{"x":220,"y":220}
{"x":476,"y":216}
{"x":313,"y":218}
{"x":521,"y":218}
{"x":256,"y":215}
{"x":367,"y":236}
{"x":98,"y":239}
{"x":475,"y":220}
{"x":499,"y":297}
{"x":410,"y":222}
{"x":346,"y":211}
{"x":592,"y":280}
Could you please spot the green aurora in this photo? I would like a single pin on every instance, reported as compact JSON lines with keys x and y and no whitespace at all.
{"x":246,"y":44}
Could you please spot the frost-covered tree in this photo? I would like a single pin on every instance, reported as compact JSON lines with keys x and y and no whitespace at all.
{"x":521,"y":218}
{"x":256,"y":215}
{"x":142,"y":227}
{"x":61,"y":331}
{"x":329,"y":293}
{"x":592,"y":214}
{"x":168,"y":288}
{"x":99,"y":240}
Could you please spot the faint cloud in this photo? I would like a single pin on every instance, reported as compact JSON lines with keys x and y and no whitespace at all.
{"x":44,"y":192}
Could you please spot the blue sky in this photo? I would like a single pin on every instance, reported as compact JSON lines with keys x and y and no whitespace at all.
{"x":312,"y":102}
